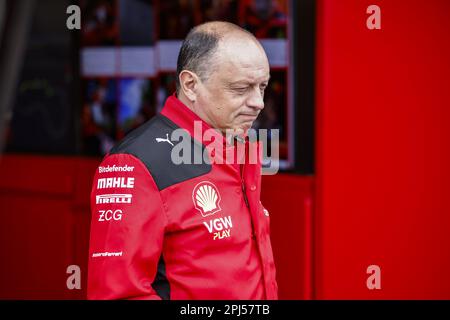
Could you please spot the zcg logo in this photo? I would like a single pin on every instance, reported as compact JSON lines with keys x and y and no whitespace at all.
{"x":107,"y":215}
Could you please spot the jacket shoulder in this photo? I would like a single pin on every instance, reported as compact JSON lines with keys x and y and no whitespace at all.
{"x":151,"y":144}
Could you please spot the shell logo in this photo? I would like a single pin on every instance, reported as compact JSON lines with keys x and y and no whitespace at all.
{"x":206,"y":198}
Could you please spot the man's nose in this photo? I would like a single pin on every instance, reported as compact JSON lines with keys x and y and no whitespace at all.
{"x":256,"y":100}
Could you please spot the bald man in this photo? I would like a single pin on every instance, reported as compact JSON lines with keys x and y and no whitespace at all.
{"x":168,"y":226}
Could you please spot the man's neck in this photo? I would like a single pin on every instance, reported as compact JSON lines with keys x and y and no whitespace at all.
{"x":191,"y":107}
{"x":186,"y":102}
{"x":239,"y":135}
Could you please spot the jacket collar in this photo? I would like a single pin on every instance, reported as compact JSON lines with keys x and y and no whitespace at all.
{"x":185,"y":118}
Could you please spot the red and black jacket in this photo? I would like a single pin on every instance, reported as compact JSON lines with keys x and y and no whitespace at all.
{"x":162,"y":230}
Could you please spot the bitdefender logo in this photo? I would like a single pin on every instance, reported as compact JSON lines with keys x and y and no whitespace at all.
{"x":206,"y":198}
{"x":115,"y":168}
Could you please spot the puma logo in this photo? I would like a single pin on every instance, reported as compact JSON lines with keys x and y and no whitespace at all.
{"x":165,"y":140}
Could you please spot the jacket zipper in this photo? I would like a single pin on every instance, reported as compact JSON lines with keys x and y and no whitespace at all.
{"x":245,"y":195}
{"x":242,"y":179}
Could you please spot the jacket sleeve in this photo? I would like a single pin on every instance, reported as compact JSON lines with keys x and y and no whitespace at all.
{"x":127,"y":230}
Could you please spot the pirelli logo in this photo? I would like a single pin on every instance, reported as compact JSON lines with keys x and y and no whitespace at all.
{"x":113,"y":198}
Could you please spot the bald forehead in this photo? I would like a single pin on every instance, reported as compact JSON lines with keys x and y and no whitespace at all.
{"x":236,"y":48}
{"x":219,"y":28}
{"x":241,"y":60}
{"x":234,"y":41}
{"x":242,"y":51}
{"x":225,"y":31}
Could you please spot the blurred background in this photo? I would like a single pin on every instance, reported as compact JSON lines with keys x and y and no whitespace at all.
{"x":363,"y":116}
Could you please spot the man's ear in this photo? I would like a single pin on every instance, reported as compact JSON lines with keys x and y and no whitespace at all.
{"x":188,"y":84}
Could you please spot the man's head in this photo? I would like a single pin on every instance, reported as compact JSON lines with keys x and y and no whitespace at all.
{"x":222,"y":72}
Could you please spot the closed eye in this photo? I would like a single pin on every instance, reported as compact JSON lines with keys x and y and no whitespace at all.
{"x":240,"y":90}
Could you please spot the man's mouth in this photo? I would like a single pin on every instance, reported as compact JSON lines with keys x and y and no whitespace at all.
{"x":249,"y":115}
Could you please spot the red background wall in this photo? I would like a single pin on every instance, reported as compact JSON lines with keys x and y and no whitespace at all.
{"x":44,"y":214}
{"x":383,"y":149}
